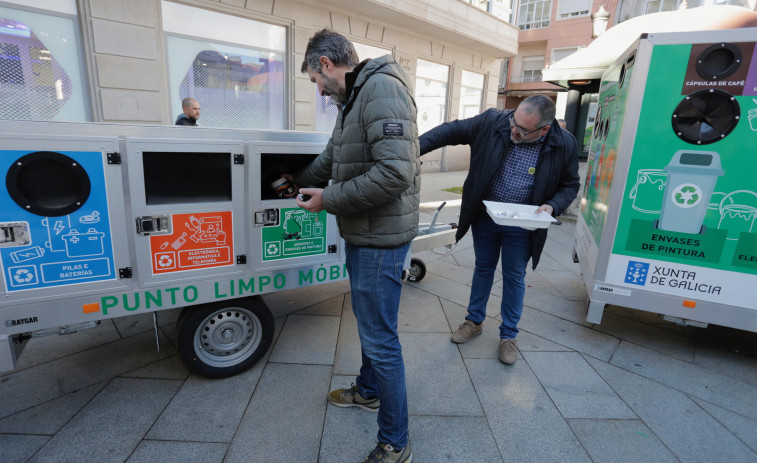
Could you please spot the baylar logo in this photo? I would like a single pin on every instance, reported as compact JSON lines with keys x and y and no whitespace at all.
{"x":636,"y":273}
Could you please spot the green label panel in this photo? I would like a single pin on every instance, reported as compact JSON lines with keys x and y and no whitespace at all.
{"x":299,"y":233}
{"x":644,"y":238}
{"x":746,"y":251}
{"x":701,"y":193}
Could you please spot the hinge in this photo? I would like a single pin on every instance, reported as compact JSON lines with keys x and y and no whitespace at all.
{"x":124,"y":272}
{"x":332,"y":248}
{"x":241,"y":259}
{"x":114,"y":158}
{"x":239,"y":159}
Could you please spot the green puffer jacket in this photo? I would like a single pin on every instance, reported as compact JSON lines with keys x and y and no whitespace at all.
{"x":373,"y":159}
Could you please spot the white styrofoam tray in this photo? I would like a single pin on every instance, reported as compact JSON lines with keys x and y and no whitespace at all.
{"x":518,"y":215}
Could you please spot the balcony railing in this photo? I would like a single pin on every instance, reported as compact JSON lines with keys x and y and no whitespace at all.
{"x":536,"y":77}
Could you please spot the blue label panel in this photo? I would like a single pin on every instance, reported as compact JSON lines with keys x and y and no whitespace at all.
{"x":70,"y":249}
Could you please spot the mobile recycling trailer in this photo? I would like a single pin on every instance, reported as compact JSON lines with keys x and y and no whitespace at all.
{"x":100,"y":221}
{"x":667,"y":215}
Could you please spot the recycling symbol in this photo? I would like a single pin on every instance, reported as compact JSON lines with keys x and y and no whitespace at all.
{"x":165,"y":261}
{"x":23,"y":275}
{"x":272,"y":249}
{"x":686,"y":195}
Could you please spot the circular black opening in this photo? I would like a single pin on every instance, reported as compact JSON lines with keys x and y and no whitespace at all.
{"x":48,"y":184}
{"x":706,"y":116}
{"x":719,"y":61}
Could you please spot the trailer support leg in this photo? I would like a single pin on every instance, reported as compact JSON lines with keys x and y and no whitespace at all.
{"x":7,"y":353}
{"x":155,"y":324}
{"x":594,"y":314}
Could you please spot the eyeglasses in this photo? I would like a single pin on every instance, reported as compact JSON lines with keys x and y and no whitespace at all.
{"x":523,"y":132}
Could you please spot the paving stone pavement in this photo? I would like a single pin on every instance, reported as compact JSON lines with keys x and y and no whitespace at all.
{"x":632,"y":389}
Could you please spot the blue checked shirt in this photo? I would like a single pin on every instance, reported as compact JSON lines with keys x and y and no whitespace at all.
{"x":514,"y":182}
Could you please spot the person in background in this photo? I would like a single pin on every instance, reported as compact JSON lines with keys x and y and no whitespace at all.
{"x":373,"y":161}
{"x":519,"y":156}
{"x":562,"y":124}
{"x":191,"y":109}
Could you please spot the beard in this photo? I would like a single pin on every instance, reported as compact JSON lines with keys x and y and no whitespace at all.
{"x":331,"y":86}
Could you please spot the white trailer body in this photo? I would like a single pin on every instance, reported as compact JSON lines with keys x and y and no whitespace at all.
{"x":100,"y":221}
{"x":669,"y":205}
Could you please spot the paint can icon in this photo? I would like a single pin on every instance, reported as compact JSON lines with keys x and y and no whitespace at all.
{"x":647,"y":193}
{"x":753,"y":119}
{"x":738,"y":213}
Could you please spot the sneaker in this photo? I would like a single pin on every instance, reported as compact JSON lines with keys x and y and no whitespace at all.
{"x":385,"y":453}
{"x":508,"y":351}
{"x":466,"y":331}
{"x":350,"y":397}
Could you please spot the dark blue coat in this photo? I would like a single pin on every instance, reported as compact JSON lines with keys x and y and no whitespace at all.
{"x":556,"y":179}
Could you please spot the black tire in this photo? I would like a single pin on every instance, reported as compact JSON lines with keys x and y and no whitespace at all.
{"x":417,"y":270}
{"x":222,"y":339}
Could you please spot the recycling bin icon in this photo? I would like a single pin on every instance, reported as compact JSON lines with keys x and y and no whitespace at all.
{"x":691,"y":181}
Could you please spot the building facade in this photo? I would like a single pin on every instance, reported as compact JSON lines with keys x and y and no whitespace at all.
{"x":133,"y":61}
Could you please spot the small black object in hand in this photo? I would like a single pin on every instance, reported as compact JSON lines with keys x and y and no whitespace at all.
{"x":304,"y":197}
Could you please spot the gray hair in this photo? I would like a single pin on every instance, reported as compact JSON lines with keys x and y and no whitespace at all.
{"x":187,"y":102}
{"x":333,"y":46}
{"x":543,"y":105}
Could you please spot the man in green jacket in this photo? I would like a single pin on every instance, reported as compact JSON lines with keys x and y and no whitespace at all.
{"x":373,"y":161}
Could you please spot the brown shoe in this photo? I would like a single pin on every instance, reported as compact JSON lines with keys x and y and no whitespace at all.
{"x":508,"y":351}
{"x":466,"y":331}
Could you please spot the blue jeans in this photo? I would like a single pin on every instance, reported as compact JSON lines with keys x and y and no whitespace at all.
{"x":376,"y":283}
{"x":514,"y":244}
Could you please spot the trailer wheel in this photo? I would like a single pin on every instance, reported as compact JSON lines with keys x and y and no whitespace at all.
{"x":417,"y":270}
{"x":223,"y":339}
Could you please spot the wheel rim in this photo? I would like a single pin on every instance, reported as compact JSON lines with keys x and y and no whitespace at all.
{"x":227,"y":337}
{"x":414,"y":271}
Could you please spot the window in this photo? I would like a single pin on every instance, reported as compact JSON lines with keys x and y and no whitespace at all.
{"x":325,"y":109}
{"x":471,"y":92}
{"x":431,"y":94}
{"x":501,"y":9}
{"x":41,"y":72}
{"x":234,"y":67}
{"x":574,"y":8}
{"x":656,"y":6}
{"x":498,"y":8}
{"x":561,"y":53}
{"x":532,"y":66}
{"x":533,"y":14}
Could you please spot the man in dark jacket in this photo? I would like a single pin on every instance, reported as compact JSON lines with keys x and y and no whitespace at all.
{"x":523,"y":157}
{"x":373,"y":161}
{"x":191,"y":109}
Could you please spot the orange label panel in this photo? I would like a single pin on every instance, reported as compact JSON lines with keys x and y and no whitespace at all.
{"x":199,"y":240}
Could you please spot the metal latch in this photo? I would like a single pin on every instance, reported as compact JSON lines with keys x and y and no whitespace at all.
{"x":14,"y":234}
{"x":154,"y":225}
{"x":266,"y":217}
